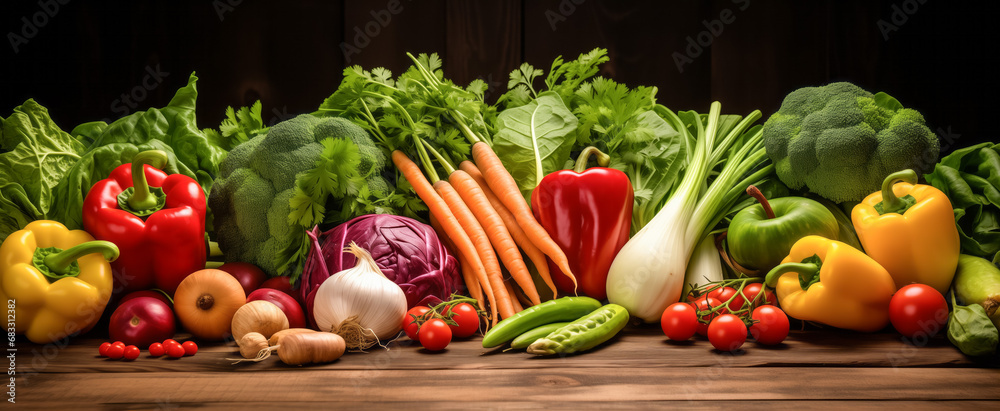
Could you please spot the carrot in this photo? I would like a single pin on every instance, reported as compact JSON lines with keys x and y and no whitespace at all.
{"x":482,"y":245}
{"x":500,"y":181}
{"x":451,"y":226}
{"x":471,"y":283}
{"x":497,"y":232}
{"x":534,"y":254}
{"x":514,"y":300}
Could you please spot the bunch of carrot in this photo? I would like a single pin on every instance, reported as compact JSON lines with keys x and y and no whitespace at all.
{"x":480,"y":211}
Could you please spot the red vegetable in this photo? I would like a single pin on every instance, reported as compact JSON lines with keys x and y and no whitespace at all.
{"x":588,"y":213}
{"x":157,"y":221}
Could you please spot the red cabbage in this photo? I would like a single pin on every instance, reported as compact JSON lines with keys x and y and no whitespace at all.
{"x":408,"y":252}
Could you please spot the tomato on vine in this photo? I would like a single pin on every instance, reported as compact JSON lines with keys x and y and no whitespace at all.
{"x":770,"y":326}
{"x":679,"y":321}
{"x":435,"y":334}
{"x":411,"y":318}
{"x":466,"y":319}
{"x":727,"y":332}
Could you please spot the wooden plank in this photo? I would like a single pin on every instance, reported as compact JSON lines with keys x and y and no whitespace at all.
{"x":483,"y":41}
{"x":541,"y":386}
{"x":636,"y":348}
{"x":641,"y":38}
{"x":517,"y":404}
{"x":382,"y":32}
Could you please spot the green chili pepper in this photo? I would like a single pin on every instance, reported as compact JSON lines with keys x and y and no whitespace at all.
{"x":583,"y":334}
{"x":563,"y":309}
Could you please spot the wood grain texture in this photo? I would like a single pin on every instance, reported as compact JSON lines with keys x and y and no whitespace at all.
{"x":635,"y":348}
{"x":537,"y":386}
{"x":638,"y":369}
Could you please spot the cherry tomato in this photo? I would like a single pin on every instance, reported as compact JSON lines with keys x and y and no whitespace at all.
{"x":175,"y":350}
{"x":131,"y":353}
{"x":752,"y":290}
{"x":435,"y":334}
{"x":190,"y":348}
{"x":411,"y":327}
{"x":771,"y":327}
{"x":115,"y":352}
{"x":704,"y":304}
{"x":918,"y":310}
{"x":169,"y":341}
{"x":156,"y":349}
{"x":723,"y":294}
{"x":679,"y":321}
{"x":103,"y":349}
{"x":119,"y":343}
{"x":727,"y":332}
{"x":466,"y":317}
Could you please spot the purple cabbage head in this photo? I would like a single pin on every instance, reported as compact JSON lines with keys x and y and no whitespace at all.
{"x":408,"y":252}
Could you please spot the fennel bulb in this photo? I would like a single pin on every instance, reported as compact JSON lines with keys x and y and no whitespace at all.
{"x":648,"y":273}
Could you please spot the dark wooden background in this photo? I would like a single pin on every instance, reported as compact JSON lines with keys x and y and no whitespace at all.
{"x":936,"y":56}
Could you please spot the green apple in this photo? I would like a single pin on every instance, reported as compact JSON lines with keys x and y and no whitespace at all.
{"x":760,"y":235}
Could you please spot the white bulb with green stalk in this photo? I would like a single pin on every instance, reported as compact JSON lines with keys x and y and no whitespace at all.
{"x":648,"y":273}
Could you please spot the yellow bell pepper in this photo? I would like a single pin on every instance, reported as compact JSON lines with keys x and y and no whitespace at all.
{"x":58,"y":285}
{"x":910,"y":230}
{"x":830,"y":282}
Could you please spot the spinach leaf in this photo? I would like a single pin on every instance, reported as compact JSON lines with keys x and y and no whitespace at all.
{"x":971,"y":330}
{"x":535,"y":139}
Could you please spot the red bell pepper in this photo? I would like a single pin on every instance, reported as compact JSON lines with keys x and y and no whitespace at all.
{"x":157,"y":221}
{"x":588,"y":212}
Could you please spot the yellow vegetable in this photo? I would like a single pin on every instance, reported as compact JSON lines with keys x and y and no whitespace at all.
{"x":59,"y":281}
{"x":910,"y":230}
{"x":830,"y":282}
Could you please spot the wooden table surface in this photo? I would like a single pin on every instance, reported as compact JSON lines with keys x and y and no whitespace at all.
{"x":638,"y":369}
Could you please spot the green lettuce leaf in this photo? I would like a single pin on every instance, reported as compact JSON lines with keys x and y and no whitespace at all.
{"x":535,"y":139}
{"x":45,"y":173}
{"x":970,"y":177}
{"x":38,"y":155}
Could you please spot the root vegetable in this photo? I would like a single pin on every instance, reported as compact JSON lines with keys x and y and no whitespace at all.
{"x":280,"y":335}
{"x":252,"y":344}
{"x":261,"y":316}
{"x":315,"y":348}
{"x":206,"y":302}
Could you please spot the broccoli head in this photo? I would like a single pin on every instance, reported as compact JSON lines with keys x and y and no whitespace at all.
{"x":257,"y":181}
{"x":840,"y":141}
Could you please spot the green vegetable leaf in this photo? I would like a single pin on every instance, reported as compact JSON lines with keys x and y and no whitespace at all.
{"x":240,"y":126}
{"x":535,"y":139}
{"x":970,"y":177}
{"x":970,"y":329}
{"x":38,"y":156}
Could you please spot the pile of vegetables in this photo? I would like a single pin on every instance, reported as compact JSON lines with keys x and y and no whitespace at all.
{"x":379,"y":211}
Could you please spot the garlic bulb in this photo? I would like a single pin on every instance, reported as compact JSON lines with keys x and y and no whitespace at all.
{"x":360,"y":304}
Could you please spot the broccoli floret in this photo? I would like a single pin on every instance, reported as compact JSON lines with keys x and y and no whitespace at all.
{"x":840,"y":141}
{"x":251,"y":197}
